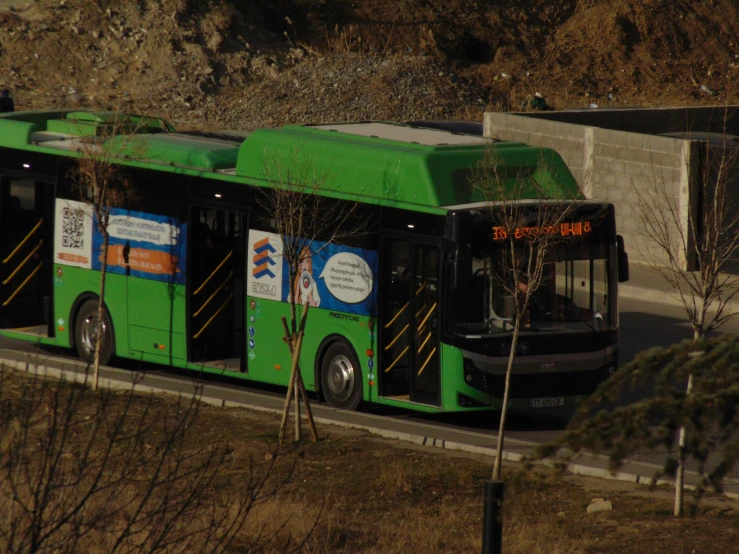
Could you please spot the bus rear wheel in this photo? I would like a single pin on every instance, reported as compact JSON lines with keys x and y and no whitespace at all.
{"x":86,"y":331}
{"x":341,"y":377}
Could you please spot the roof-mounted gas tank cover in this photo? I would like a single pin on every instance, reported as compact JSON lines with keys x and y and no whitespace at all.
{"x":102,"y":123}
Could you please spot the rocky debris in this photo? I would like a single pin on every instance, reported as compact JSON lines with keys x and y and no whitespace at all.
{"x":238,"y":64}
{"x":599,"y":505}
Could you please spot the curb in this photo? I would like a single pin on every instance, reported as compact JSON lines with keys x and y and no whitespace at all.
{"x":418,"y":439}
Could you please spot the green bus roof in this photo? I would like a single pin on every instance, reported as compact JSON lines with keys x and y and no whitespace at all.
{"x":380,"y":162}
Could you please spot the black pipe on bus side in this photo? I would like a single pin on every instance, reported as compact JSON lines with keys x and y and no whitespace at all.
{"x":492,"y":524}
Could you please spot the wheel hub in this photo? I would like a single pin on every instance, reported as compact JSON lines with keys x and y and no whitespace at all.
{"x":341,"y":378}
{"x":90,"y":333}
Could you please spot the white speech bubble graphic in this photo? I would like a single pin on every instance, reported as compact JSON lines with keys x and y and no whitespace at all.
{"x":347,"y":277}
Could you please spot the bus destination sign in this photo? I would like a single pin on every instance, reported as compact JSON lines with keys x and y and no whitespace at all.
{"x":573,"y":229}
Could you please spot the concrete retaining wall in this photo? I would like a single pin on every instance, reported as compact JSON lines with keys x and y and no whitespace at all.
{"x":652,"y":121}
{"x":613,"y":165}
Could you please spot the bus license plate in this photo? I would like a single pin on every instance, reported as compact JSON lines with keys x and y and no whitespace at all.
{"x":547,"y":402}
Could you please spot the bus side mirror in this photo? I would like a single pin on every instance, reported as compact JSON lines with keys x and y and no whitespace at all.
{"x":623,"y":260}
{"x":451,"y":252}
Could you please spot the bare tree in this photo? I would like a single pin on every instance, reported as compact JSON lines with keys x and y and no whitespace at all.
{"x":118,"y":472}
{"x":103,"y":184}
{"x":526,"y":223}
{"x":307,"y":221}
{"x":705,"y":233}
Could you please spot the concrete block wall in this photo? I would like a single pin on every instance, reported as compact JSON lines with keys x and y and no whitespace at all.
{"x":702,"y":119}
{"x":567,"y":139}
{"x":614,"y":166}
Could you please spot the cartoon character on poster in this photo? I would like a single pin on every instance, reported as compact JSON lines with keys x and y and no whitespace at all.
{"x":305,"y":286}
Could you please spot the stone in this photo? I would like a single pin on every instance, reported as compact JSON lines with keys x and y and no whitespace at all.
{"x":602,"y":506}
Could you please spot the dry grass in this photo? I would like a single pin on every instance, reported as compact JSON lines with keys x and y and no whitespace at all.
{"x":353,"y":493}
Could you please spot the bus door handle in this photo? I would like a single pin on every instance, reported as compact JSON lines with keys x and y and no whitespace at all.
{"x":220,"y":265}
{"x":23,"y":284}
{"x":20,"y":245}
{"x":23,"y":263}
{"x":218,"y":311}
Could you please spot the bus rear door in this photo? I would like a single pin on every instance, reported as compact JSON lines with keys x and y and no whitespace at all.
{"x":216,"y":288}
{"x":26,"y":228}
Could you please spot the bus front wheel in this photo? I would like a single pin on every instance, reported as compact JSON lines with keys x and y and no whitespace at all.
{"x":86,"y":331}
{"x":341,"y":377}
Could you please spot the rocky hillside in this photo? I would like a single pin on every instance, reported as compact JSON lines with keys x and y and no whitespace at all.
{"x":235,"y":64}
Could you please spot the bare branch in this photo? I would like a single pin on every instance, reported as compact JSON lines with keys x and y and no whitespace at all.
{"x":528,"y":220}
{"x":308,"y":215}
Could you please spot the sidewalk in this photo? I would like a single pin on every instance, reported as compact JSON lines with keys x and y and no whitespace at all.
{"x":647,"y":285}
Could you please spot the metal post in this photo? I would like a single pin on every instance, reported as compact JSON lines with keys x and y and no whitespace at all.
{"x":492,"y":525}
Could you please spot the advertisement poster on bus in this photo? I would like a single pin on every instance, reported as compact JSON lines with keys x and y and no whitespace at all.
{"x":141,"y":244}
{"x":264,"y":265}
{"x":331,"y":276}
{"x":73,"y":234}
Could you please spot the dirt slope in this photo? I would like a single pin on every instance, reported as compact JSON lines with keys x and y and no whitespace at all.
{"x":225,"y":63}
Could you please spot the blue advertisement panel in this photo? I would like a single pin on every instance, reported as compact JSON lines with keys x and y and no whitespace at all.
{"x":335,"y":277}
{"x":143,"y":245}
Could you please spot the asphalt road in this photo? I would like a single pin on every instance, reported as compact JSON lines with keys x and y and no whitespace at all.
{"x":643,"y":325}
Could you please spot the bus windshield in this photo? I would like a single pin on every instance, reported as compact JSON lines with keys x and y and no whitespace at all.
{"x":576,"y":293}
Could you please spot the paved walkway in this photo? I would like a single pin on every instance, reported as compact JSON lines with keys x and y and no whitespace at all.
{"x":645,"y":284}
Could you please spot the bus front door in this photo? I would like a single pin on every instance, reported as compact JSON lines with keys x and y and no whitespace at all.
{"x":409,"y":357}
{"x":26,"y":227}
{"x":216,"y":288}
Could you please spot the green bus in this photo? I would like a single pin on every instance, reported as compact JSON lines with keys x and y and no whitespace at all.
{"x":404,"y":314}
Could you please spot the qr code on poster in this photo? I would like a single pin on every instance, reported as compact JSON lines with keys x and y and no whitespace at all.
{"x":73,"y":230}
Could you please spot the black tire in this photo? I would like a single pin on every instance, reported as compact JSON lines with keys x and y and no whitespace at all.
{"x":341,"y":376}
{"x":85,"y":329}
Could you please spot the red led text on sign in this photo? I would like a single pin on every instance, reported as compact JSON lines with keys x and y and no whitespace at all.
{"x":574,"y":229}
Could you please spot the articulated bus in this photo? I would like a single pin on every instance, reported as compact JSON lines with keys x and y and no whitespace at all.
{"x":403,"y":314}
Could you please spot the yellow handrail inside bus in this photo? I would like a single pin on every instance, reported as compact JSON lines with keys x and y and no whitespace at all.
{"x":392,"y":365}
{"x":28,"y":236}
{"x":207,"y":323}
{"x":421,"y":310}
{"x":220,"y":265}
{"x":17,"y":269}
{"x":424,"y":342}
{"x":427,"y":361}
{"x":420,"y":326}
{"x":212,"y":296}
{"x":23,"y":284}
{"x":397,"y":315}
{"x":420,"y":290}
{"x":403,"y":330}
